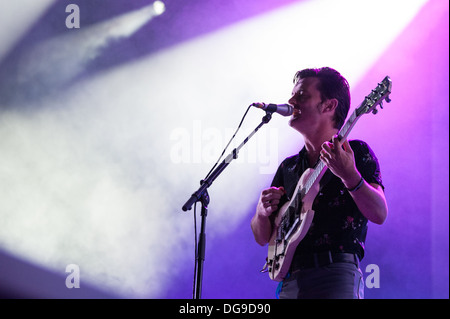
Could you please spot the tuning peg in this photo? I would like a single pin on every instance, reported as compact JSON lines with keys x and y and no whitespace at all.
{"x":388,"y":99}
{"x":374,"y":111}
{"x":381,"y":104}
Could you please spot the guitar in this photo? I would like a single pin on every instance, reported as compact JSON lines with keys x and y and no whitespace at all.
{"x":294,"y":218}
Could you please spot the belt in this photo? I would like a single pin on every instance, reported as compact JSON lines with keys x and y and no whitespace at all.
{"x":321,"y":259}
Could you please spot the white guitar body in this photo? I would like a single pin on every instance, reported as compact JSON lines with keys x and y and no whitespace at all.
{"x":283,"y":242}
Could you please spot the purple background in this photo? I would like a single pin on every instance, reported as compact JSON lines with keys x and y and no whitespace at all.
{"x":410,"y":137}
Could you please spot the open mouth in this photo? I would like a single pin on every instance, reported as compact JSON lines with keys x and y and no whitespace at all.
{"x":296,"y":113}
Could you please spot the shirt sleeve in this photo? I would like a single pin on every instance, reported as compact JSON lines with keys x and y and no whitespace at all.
{"x":278,"y":179}
{"x":366,"y":162}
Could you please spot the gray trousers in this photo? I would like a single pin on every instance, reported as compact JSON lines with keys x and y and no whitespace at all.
{"x":334,"y":281}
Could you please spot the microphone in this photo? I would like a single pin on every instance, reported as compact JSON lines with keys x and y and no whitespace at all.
{"x":282,"y":109}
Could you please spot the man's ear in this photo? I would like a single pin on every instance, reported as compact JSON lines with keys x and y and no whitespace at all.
{"x":330,"y":105}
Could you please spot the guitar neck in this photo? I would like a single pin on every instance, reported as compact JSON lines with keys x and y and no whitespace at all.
{"x":320,"y":168}
{"x":348,"y":126}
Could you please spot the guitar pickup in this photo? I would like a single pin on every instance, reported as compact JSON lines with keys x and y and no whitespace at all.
{"x":296,"y":222}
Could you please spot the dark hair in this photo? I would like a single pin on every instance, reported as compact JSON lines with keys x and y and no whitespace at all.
{"x":332,"y":86}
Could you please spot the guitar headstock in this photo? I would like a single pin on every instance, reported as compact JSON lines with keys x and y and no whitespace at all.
{"x":376,"y":97}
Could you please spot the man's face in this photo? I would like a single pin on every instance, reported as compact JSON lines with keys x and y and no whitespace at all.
{"x":307,"y":102}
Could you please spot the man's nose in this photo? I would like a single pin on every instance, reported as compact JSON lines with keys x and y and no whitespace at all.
{"x":292,"y":102}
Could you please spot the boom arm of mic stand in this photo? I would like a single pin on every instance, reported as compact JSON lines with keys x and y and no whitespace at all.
{"x":233,"y":155}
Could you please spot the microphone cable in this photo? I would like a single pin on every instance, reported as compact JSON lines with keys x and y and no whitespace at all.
{"x":229,"y":142}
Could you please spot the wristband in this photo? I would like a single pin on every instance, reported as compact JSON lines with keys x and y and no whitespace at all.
{"x":361,"y":182}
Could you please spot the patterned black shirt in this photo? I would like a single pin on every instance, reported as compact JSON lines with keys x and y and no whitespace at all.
{"x":338,"y":225}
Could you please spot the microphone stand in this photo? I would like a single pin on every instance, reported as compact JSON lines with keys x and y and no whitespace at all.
{"x":202,"y":196}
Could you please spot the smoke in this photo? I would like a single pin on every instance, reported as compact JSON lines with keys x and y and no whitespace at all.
{"x":87,"y":179}
{"x":67,"y":201}
{"x":50,"y":65}
{"x":16,"y":18}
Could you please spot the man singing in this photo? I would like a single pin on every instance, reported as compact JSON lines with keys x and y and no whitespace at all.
{"x":326,"y":261}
